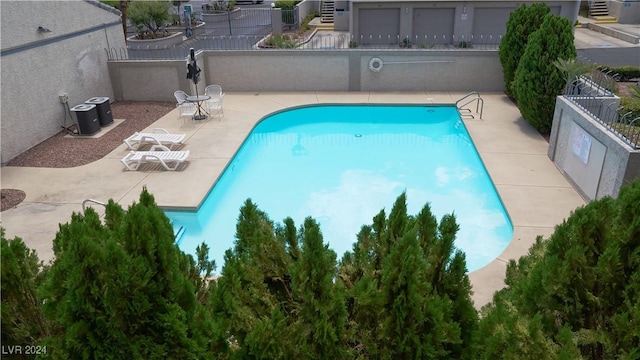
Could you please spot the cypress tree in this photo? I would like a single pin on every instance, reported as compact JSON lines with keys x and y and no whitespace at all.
{"x":416,"y":303}
{"x":22,"y":273}
{"x":321,"y":313}
{"x":537,"y":80}
{"x":122,"y":290}
{"x":522,"y":22}
{"x":580,"y":287}
{"x":358,"y":277}
{"x":255,"y":281}
{"x":405,"y":291}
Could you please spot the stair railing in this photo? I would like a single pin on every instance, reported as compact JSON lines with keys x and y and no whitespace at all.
{"x":468,"y":99}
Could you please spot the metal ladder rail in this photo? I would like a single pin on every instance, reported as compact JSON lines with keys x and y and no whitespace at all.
{"x":479,"y":104}
{"x":85,"y":201}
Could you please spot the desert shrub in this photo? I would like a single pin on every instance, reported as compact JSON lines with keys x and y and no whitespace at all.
{"x":629,"y":104}
{"x":537,"y":80}
{"x":222,"y":5}
{"x":287,"y":6}
{"x":522,"y":22}
{"x":281,"y":41}
{"x":149,"y":17}
{"x":635,"y":91}
{"x":307,"y":19}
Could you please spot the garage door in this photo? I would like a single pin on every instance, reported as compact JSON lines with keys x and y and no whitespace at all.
{"x":433,"y":26}
{"x":379,"y":26}
{"x":490,"y":24}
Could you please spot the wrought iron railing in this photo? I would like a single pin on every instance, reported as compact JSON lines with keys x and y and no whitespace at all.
{"x":598,"y":101}
{"x":318,"y":41}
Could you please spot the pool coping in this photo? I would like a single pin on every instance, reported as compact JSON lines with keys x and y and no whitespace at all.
{"x":535,"y":194}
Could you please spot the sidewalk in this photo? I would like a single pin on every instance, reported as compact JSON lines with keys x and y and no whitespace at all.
{"x":592,"y":35}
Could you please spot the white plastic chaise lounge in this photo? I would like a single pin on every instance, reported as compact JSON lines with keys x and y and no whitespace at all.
{"x":159,"y":154}
{"x":158,"y":136}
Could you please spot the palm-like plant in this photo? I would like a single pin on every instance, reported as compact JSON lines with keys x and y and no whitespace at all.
{"x":572,"y":69}
{"x":635,"y":92}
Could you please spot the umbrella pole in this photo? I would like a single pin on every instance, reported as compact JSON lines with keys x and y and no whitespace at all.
{"x":198,"y":103}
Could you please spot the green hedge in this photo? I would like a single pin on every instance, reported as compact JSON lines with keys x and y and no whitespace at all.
{"x":630,"y":104}
{"x":625,"y":73}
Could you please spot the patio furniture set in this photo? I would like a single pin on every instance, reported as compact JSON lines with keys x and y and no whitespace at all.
{"x":162,"y":142}
{"x":200,"y":107}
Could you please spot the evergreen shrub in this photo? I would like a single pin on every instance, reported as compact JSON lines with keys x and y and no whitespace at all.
{"x":537,"y":80}
{"x":576,"y":295}
{"x":522,"y":22}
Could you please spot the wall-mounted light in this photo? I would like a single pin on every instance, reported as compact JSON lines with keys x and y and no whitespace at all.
{"x":43,"y":29}
{"x":464,"y":9}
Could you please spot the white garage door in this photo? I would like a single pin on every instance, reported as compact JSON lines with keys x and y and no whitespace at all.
{"x":379,"y":26}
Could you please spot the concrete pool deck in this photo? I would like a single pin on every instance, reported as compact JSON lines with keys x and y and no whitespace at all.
{"x":534,"y":192}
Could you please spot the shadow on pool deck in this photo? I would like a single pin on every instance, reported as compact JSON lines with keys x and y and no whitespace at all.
{"x":535,"y":194}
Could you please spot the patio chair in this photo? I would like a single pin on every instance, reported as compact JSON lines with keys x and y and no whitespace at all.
{"x":181,"y":96}
{"x":187,"y":109}
{"x":214,"y":105}
{"x":160,"y":154}
{"x":157,"y":136}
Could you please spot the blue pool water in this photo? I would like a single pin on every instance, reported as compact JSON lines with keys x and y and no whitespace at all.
{"x":341,"y":165}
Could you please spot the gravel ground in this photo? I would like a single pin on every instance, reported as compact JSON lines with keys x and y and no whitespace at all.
{"x":61,"y":152}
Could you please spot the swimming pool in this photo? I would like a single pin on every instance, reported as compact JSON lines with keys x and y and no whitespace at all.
{"x":342,"y":164}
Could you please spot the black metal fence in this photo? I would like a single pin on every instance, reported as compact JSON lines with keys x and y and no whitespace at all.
{"x":205,"y":40}
{"x":593,"y":93}
{"x":241,"y":21}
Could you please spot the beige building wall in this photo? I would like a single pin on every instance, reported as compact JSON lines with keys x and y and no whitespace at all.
{"x":312,"y":70}
{"x":627,"y":12}
{"x":451,"y":18}
{"x":37,"y":67}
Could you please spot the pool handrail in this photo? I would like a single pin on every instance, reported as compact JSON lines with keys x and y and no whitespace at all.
{"x":477,"y":99}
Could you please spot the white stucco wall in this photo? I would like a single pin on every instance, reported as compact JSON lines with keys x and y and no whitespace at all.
{"x":37,"y":67}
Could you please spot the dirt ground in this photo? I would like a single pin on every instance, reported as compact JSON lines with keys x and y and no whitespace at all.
{"x":61,"y":151}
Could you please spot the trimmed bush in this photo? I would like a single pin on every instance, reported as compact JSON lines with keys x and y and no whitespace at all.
{"x":625,"y":73}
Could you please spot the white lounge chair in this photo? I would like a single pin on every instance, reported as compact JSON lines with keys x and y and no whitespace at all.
{"x":158,"y":154}
{"x":157,"y":136}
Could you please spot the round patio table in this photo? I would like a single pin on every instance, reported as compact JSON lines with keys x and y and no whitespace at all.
{"x":199,"y":100}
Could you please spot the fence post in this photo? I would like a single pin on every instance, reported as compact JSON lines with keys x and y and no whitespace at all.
{"x":276,"y":21}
